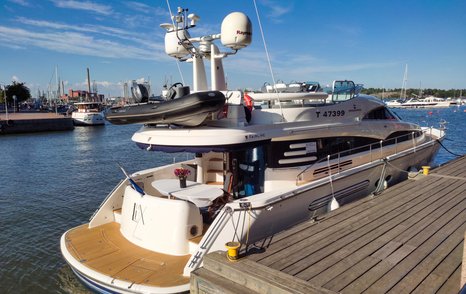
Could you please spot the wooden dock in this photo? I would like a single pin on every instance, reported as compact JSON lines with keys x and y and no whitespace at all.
{"x":20,"y":122}
{"x":408,"y":239}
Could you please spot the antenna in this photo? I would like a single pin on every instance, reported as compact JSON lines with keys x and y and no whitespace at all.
{"x":173,"y":27}
{"x":236,"y":34}
{"x":268,"y":60}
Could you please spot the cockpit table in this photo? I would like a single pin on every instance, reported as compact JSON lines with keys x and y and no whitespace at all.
{"x":201,"y":195}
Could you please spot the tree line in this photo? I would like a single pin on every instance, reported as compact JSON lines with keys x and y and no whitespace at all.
{"x":14,"y":94}
{"x":395,"y":93}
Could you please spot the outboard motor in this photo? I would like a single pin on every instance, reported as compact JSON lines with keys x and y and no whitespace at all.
{"x":139,"y":92}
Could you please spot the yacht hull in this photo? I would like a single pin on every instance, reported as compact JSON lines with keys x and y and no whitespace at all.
{"x":88,"y":118}
{"x":270,"y":213}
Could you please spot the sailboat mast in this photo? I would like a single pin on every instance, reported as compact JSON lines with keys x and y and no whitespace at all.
{"x":57,"y":83}
{"x":404,"y":84}
{"x":88,"y":84}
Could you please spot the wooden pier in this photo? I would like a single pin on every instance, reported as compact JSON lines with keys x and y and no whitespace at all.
{"x":407,"y":239}
{"x":16,"y":123}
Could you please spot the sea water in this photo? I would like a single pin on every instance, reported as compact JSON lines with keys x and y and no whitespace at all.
{"x":51,"y":182}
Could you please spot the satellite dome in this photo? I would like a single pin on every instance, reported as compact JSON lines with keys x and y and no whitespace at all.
{"x":236,"y":31}
{"x":172,"y":43}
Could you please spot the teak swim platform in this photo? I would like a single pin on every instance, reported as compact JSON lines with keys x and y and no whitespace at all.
{"x":123,"y":260}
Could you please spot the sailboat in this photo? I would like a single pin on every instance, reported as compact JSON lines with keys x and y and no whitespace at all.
{"x":399,"y":102}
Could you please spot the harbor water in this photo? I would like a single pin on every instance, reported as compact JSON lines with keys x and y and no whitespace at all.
{"x":54,"y":181}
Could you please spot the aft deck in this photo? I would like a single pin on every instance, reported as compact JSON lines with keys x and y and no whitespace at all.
{"x":105,"y":250}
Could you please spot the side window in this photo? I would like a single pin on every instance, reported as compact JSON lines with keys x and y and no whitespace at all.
{"x":379,"y":113}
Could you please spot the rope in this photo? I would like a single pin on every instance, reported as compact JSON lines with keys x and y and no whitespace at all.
{"x":380,"y":186}
{"x":402,"y":170}
{"x":457,"y":155}
{"x":268,"y":58}
{"x":333,"y":200}
{"x":249,"y":226}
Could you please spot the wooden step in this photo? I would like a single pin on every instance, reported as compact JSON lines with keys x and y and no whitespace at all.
{"x":204,"y":281}
{"x":254,"y":276}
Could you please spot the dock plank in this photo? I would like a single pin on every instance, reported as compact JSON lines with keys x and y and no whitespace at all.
{"x":378,"y":271}
{"x":407,"y":239}
{"x":434,"y":280}
{"x":337,"y":228}
{"x":377,"y":247}
{"x":428,"y":264}
{"x":350,"y":212}
{"x":452,"y":284}
{"x":427,"y":242}
{"x":350,"y":232}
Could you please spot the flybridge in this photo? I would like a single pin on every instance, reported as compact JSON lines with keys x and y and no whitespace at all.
{"x":236,"y":33}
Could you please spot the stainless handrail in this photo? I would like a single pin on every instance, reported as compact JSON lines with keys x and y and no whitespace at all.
{"x":368,"y":146}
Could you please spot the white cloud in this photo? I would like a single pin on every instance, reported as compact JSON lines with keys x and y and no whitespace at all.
{"x":105,"y":84}
{"x":78,"y":43}
{"x":14,"y":79}
{"x":142,"y":7}
{"x":21,"y":2}
{"x":275,"y":10}
{"x":84,"y":5}
{"x":314,"y":70}
{"x":96,"y":29}
{"x":12,"y":46}
{"x":290,"y":67}
{"x":140,"y":80}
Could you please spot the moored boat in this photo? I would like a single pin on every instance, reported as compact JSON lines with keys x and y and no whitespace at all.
{"x":426,"y":102}
{"x":88,"y":114}
{"x":258,"y":169}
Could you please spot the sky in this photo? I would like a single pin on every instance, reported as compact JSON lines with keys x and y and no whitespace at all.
{"x":367,"y":41}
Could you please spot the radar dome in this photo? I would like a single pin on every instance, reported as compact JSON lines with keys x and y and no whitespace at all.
{"x":236,"y":31}
{"x":172,"y":43}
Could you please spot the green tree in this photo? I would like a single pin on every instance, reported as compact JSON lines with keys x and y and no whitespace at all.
{"x":19,"y":91}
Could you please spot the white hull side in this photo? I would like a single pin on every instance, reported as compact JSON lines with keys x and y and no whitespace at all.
{"x":88,"y":118}
{"x":278,"y":210}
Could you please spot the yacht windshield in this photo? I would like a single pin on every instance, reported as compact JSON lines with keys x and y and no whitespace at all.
{"x":344,"y":90}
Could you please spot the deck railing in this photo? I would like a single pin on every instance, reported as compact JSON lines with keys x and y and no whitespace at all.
{"x":392,"y":143}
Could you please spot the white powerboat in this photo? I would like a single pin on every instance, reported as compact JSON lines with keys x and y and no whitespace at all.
{"x":263,"y":163}
{"x":427,"y":102}
{"x":394,"y":103}
{"x":88,"y":114}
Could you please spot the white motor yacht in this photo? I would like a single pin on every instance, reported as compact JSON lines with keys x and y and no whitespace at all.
{"x":427,"y":102}
{"x":88,"y":114}
{"x":262,"y":163}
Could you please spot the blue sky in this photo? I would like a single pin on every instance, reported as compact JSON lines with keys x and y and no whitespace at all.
{"x":366,"y":41}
